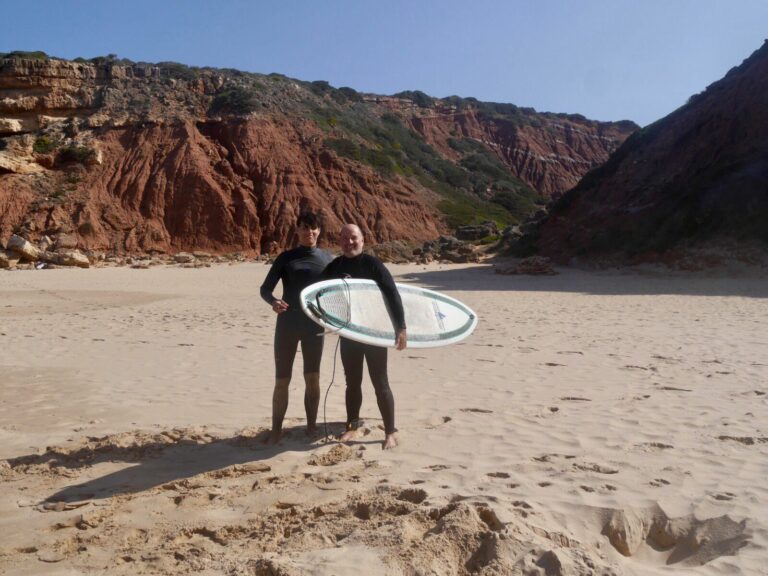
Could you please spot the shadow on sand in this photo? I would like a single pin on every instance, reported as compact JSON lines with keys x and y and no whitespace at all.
{"x":158,"y":463}
{"x":629,"y":281}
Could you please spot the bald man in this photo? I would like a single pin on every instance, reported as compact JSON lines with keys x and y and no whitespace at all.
{"x":354,"y":264}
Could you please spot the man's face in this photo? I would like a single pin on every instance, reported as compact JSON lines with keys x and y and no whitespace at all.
{"x":351,"y":241}
{"x":308,"y":236}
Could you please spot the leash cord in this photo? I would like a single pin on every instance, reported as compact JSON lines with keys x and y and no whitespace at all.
{"x":338,"y":342}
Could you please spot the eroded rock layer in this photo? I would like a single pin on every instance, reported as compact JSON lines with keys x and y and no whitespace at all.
{"x":139,"y":157}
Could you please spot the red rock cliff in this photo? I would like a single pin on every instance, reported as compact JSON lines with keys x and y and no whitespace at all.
{"x":140,"y":157}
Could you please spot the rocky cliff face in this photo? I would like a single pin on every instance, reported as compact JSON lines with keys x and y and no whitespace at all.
{"x":140,"y":157}
{"x":548,"y":152}
{"x":698,"y":177}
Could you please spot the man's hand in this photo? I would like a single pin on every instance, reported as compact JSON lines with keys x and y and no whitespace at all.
{"x":279,"y":306}
{"x":401,"y":340}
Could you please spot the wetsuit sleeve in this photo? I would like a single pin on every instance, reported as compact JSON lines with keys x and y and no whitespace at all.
{"x":271,"y":280}
{"x":387,"y":286}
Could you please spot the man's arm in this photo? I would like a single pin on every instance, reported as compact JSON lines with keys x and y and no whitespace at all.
{"x":268,"y":286}
{"x":388,"y":289}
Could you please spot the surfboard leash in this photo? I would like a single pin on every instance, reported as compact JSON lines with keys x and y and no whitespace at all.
{"x":335,"y":352}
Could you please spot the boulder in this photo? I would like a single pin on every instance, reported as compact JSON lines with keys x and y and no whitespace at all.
{"x":511,"y":232}
{"x":45,"y":243}
{"x":477,"y":232}
{"x":72,"y":258}
{"x":25,"y":249}
{"x":183,"y":258}
{"x":8,"y":259}
{"x":66,"y":258}
{"x":66,"y":242}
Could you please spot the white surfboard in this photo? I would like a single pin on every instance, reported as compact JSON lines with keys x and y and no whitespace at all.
{"x":356,"y":309}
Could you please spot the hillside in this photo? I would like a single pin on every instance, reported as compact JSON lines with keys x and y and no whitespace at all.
{"x":695,"y":179}
{"x":162,"y":157}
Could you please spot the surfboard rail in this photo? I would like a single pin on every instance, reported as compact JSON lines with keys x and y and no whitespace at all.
{"x":356,"y":309}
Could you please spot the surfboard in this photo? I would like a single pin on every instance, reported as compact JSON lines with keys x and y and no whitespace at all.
{"x":356,"y":309}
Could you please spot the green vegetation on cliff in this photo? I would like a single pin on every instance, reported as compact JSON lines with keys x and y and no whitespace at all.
{"x":366,"y":129}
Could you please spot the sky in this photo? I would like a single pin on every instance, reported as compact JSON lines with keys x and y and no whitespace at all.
{"x":606,"y":59}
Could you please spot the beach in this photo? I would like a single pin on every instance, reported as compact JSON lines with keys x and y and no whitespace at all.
{"x":596,"y":422}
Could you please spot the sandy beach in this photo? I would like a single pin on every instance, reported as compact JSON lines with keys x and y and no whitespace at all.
{"x":606,"y":422}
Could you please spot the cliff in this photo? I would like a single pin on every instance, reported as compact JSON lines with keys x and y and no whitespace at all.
{"x":163,"y":157}
{"x":696,"y":178}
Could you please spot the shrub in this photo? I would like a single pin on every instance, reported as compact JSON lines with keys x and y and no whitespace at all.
{"x":343,"y":147}
{"x":36,"y":55}
{"x":417,"y":97}
{"x":236,"y":100}
{"x":43,"y":145}
{"x":320,"y":87}
{"x":350,"y":94}
{"x":80,"y":154}
{"x":177,"y":70}
{"x":113,"y":59}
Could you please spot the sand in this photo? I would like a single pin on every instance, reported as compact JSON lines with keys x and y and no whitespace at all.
{"x":595,"y":423}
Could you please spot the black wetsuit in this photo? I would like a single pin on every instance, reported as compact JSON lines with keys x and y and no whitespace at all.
{"x":297,"y":268}
{"x":353,"y":353}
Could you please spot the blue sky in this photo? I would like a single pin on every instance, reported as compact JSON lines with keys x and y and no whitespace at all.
{"x":605,"y":59}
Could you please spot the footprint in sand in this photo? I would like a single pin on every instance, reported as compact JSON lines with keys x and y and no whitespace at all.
{"x":497,"y":475}
{"x":553,"y":364}
{"x":413,"y":495}
{"x":575,"y":399}
{"x":666,"y":358}
{"x":339,"y":453}
{"x":746,"y":440}
{"x":591,"y":467}
{"x":724,"y":496}
{"x":658,"y":482}
{"x":654,"y":446}
{"x":634,"y":367}
{"x":437,"y":467}
{"x":478,"y":410}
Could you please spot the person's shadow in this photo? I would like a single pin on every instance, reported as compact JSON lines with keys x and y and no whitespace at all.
{"x":158,"y":463}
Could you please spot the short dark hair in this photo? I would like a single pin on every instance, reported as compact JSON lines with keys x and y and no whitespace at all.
{"x":309,"y":219}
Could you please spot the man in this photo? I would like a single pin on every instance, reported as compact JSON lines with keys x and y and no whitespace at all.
{"x":297,"y":268}
{"x":354,"y":264}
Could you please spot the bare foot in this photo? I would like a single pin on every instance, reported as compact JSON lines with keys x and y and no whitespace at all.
{"x":274,"y":437}
{"x":311,"y":432}
{"x":349,"y":435}
{"x":389,"y":442}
